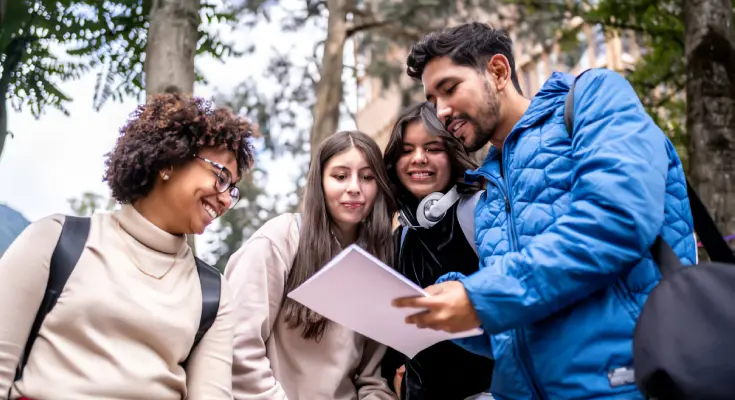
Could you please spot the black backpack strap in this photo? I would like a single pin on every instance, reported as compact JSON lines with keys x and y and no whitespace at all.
{"x":68,"y":249}
{"x":211,"y":282}
{"x":712,"y":240}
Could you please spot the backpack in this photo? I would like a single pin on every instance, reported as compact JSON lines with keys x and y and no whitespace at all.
{"x":683,"y":343}
{"x":465,"y":215}
{"x":69,"y":248}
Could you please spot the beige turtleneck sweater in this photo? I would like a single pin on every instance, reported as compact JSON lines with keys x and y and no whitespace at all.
{"x":273,"y":361}
{"x":114,"y":333}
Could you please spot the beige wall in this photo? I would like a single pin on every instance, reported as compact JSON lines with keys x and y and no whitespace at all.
{"x":377,"y":117}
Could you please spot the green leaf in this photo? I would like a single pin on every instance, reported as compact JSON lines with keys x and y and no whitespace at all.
{"x":108,"y":36}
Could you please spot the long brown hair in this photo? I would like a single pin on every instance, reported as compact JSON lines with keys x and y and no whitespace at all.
{"x":425,"y":113}
{"x":374,"y":233}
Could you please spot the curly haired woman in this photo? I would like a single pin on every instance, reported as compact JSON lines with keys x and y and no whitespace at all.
{"x":125,"y":324}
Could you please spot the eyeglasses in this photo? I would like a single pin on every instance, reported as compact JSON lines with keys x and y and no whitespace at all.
{"x":224,"y":183}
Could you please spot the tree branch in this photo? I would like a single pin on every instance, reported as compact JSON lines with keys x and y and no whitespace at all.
{"x":313,"y":9}
{"x":295,"y":21}
{"x":664,"y":100}
{"x":669,"y":76}
{"x":317,"y":45}
{"x":349,"y":112}
{"x":371,"y":22}
{"x":673,"y":34}
{"x":13,"y":56}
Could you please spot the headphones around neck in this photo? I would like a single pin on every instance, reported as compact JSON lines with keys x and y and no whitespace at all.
{"x":432,"y":209}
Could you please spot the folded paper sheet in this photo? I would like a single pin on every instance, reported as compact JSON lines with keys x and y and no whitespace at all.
{"x":356,"y":289}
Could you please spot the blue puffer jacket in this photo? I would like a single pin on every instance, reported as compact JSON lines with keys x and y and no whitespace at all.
{"x":563,"y":236}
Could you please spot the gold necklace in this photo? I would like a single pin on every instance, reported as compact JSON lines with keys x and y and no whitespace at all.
{"x":134,"y":259}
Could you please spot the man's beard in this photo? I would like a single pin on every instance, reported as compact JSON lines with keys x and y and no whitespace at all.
{"x":486,"y":123}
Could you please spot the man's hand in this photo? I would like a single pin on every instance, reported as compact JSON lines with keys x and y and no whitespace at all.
{"x":448,"y":308}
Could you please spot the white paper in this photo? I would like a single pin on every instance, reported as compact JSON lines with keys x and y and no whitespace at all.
{"x":356,"y":289}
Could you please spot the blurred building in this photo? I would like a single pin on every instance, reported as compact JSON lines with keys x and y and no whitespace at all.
{"x":378,"y":107}
{"x":12,"y":223}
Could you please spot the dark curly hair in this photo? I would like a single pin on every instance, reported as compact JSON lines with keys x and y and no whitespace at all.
{"x":169,"y":131}
{"x":472,"y":45}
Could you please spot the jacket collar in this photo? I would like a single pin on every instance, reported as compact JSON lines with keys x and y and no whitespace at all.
{"x":544,"y":104}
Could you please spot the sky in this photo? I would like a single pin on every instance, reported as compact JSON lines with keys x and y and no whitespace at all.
{"x":54,"y":158}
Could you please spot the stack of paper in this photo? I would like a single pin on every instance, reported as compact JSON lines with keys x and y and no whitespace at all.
{"x":356,"y":289}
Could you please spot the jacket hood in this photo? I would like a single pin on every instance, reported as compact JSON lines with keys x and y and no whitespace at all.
{"x":547,"y":100}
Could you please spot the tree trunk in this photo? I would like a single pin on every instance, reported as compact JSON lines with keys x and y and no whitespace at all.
{"x":172,"y":41}
{"x":710,"y":92}
{"x":329,"y":90}
{"x":14,"y":52}
{"x":3,"y":118}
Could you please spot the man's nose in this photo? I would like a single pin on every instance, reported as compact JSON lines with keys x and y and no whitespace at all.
{"x":443,"y":111}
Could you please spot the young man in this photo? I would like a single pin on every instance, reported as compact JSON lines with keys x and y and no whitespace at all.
{"x":565,"y":227}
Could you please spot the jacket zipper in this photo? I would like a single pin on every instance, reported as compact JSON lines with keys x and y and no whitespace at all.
{"x":524,"y":355}
{"x":519,"y":343}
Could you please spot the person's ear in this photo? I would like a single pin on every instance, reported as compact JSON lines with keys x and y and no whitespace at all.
{"x":166,"y":174}
{"x":499,"y":72}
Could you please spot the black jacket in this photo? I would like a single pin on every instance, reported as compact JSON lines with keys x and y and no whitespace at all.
{"x":443,"y":371}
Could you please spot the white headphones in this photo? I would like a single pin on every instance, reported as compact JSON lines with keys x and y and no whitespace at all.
{"x":432,"y":209}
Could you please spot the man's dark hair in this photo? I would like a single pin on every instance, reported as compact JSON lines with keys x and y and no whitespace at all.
{"x":472,"y":45}
{"x":169,"y":131}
